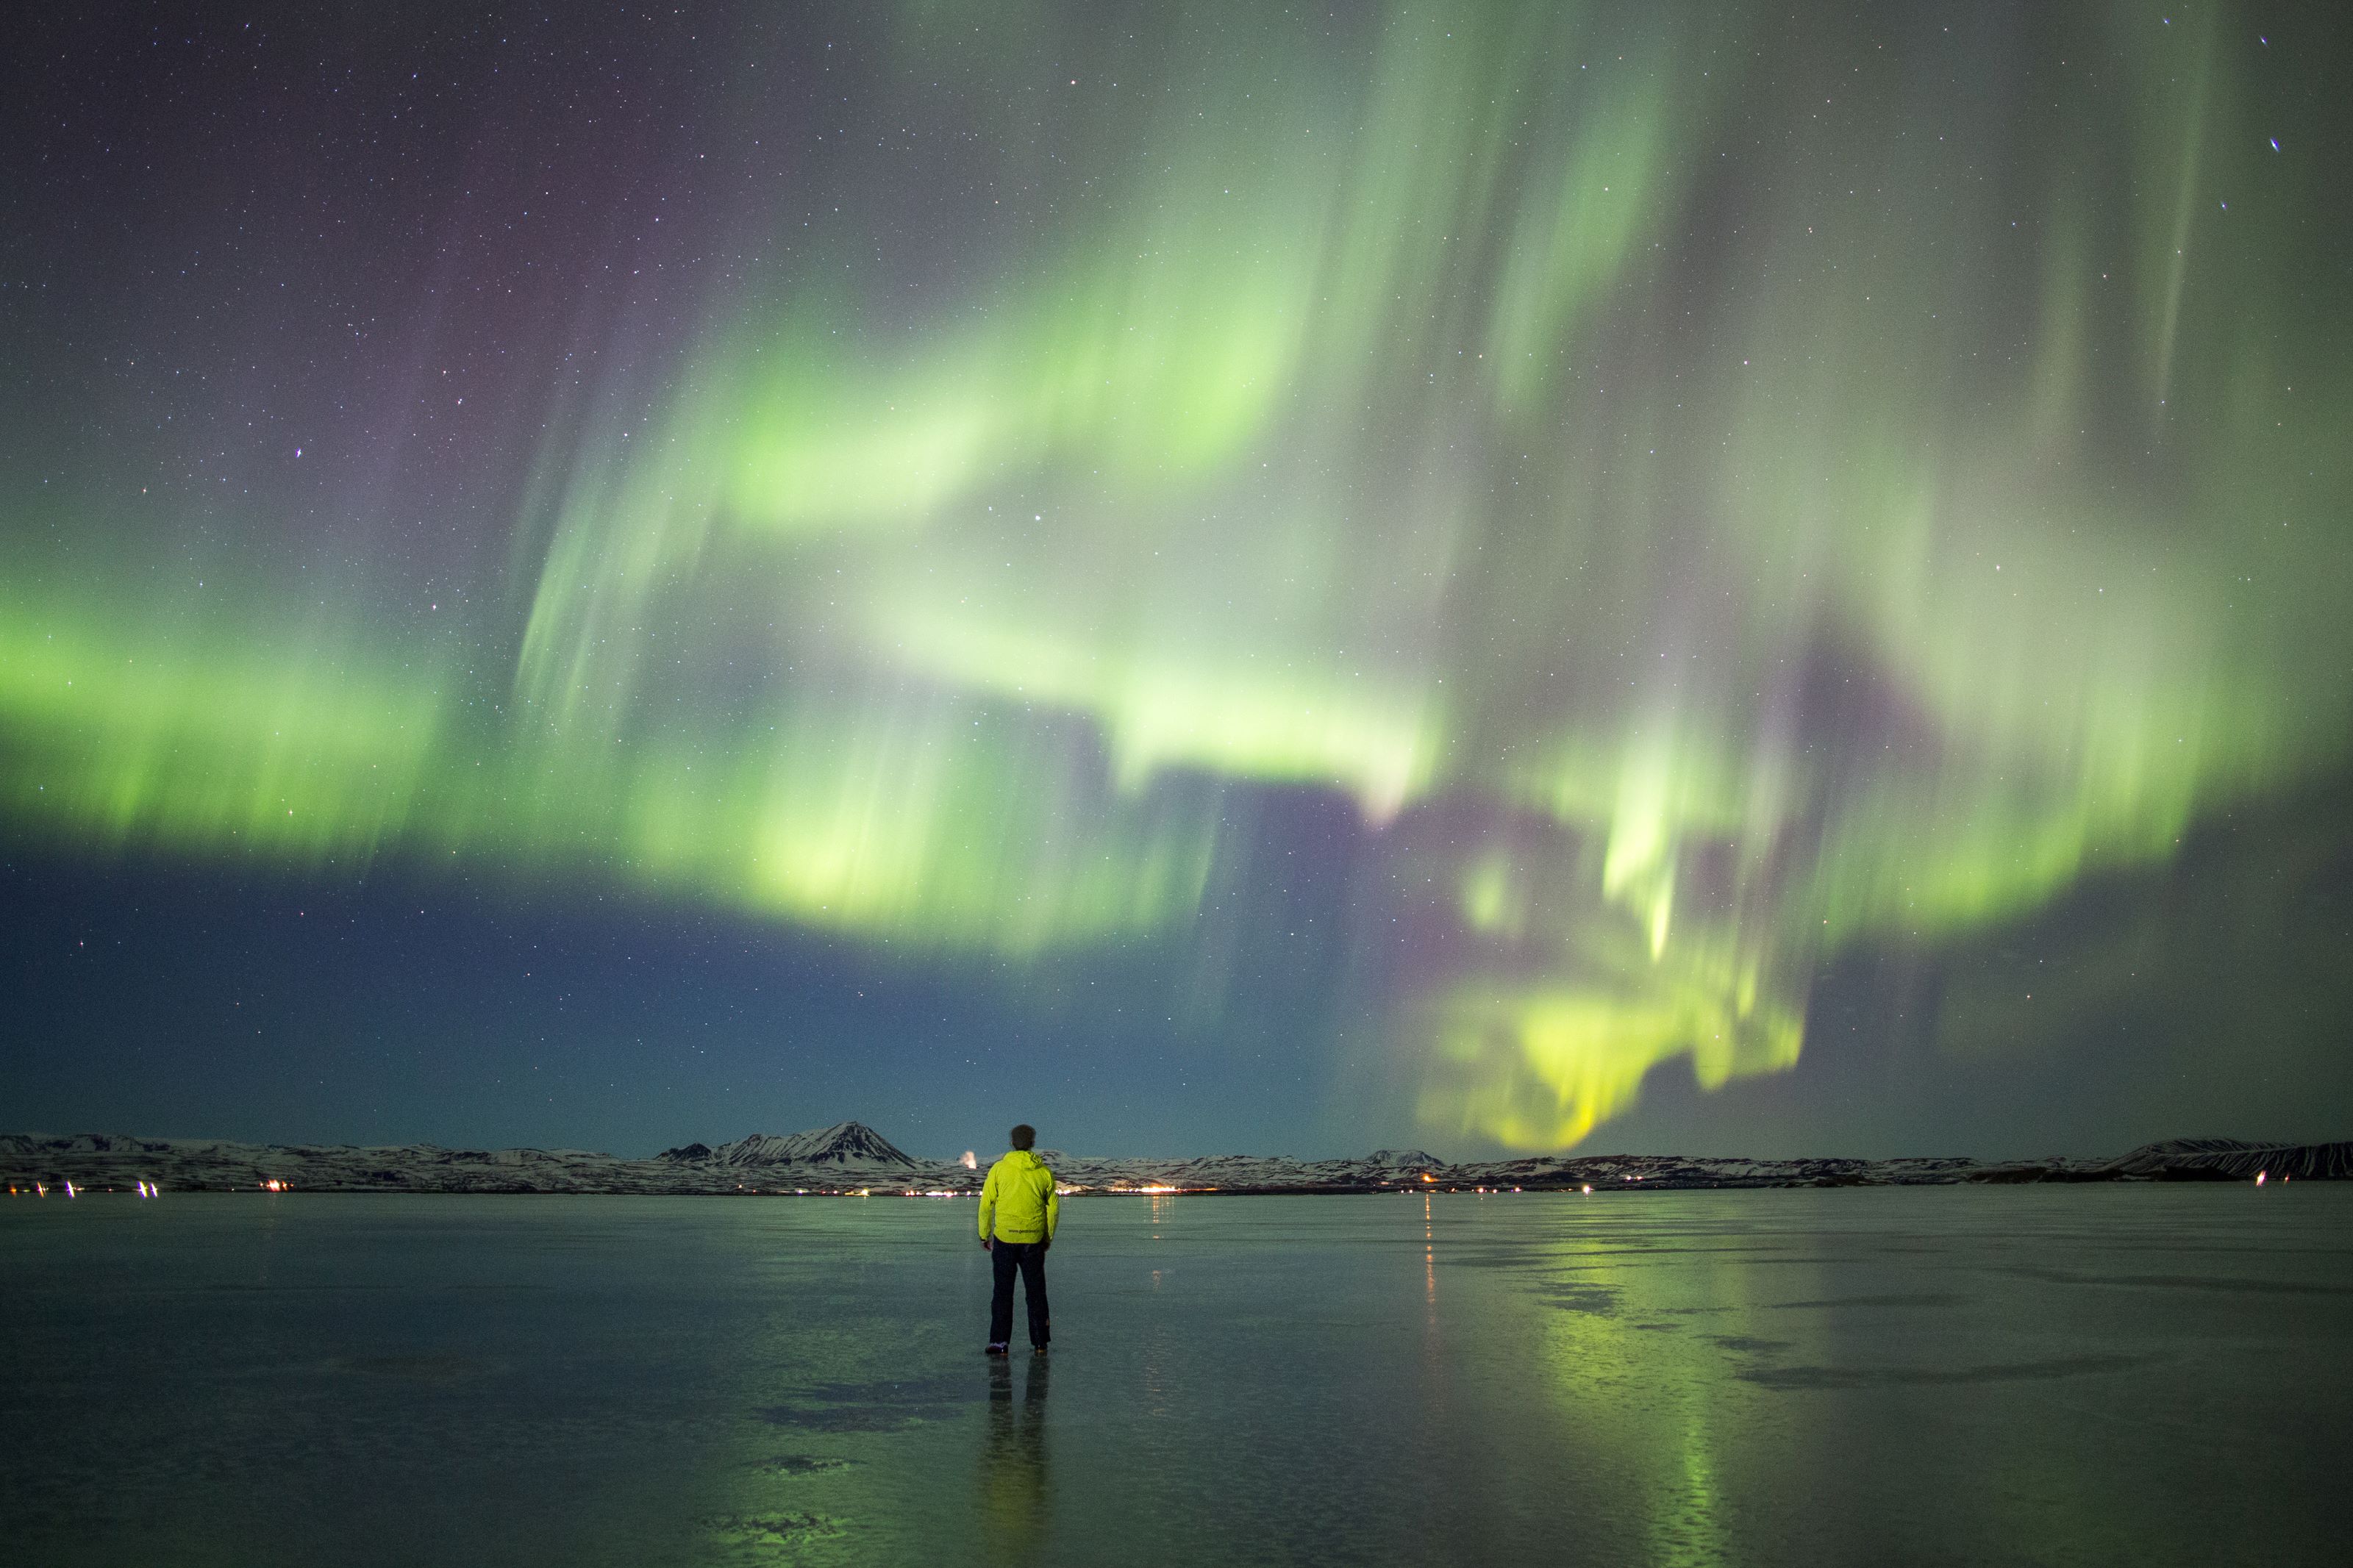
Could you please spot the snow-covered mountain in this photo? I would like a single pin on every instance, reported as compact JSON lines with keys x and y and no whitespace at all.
{"x":852,"y":1157}
{"x":2227,"y":1159}
{"x":844,"y":1144}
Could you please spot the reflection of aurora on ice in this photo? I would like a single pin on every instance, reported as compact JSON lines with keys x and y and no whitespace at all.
{"x":1684,"y":583}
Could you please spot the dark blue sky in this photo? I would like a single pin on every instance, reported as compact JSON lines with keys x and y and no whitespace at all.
{"x":1209,"y":576}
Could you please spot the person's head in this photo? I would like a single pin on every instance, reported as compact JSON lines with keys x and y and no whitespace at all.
{"x":1025,"y":1136}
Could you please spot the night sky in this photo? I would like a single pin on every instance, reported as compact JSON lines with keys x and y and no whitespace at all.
{"x":1227,"y":577}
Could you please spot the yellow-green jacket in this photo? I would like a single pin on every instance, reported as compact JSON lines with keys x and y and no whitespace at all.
{"x":1018,"y":1201}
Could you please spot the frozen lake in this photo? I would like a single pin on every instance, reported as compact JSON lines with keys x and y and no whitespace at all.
{"x":2077,"y":1374}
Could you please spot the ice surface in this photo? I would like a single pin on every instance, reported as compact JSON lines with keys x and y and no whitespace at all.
{"x":2148,"y":1373}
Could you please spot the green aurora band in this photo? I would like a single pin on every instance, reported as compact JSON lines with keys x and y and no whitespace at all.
{"x":1712,"y":496}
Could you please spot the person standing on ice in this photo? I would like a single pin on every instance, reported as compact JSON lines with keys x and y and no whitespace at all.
{"x":1019,"y":1210}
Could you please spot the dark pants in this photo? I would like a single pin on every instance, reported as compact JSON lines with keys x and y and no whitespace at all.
{"x":1030,"y":1256}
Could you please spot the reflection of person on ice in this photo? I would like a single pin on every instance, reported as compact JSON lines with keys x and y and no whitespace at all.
{"x":1019,"y":1210}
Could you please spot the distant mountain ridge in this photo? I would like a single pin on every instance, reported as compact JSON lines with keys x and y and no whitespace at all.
{"x":2228,"y":1158}
{"x":843,"y":1143}
{"x":851,"y":1157}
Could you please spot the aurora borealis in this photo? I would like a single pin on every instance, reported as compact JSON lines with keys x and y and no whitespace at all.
{"x":1496,"y":550}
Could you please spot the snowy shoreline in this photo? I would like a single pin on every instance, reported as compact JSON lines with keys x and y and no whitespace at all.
{"x":853,"y":1158}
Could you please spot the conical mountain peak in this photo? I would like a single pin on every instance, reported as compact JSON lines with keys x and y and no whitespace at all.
{"x":843,"y":1143}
